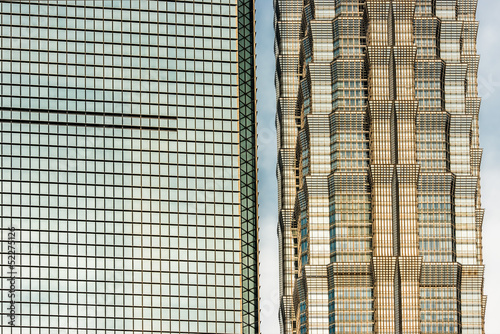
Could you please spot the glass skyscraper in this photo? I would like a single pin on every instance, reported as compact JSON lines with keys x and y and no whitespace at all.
{"x":380,"y":216}
{"x":128,"y":167}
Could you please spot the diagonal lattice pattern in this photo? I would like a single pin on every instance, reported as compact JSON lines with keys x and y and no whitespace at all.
{"x":248,"y":164}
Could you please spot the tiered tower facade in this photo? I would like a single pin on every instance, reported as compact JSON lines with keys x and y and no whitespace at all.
{"x":378,"y":166}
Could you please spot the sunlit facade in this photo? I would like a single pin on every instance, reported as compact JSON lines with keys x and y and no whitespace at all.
{"x":128,"y":166}
{"x":380,"y":216}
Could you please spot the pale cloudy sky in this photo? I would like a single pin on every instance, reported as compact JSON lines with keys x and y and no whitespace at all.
{"x":489,"y":79}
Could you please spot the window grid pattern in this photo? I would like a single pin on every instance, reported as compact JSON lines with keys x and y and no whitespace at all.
{"x":439,"y":310}
{"x":351,"y":310}
{"x":120,"y":168}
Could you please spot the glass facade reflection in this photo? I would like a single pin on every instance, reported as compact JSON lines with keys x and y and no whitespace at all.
{"x":378,"y":167}
{"x":128,"y":165}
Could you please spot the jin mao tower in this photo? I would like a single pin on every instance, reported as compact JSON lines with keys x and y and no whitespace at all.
{"x":378,"y":166}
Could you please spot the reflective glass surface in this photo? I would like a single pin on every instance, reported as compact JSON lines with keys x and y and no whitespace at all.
{"x":120,"y":165}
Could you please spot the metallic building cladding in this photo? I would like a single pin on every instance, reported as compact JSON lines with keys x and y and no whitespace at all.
{"x":128,"y":165}
{"x":378,"y":166}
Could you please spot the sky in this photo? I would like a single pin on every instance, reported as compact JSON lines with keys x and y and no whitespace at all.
{"x":489,"y":88}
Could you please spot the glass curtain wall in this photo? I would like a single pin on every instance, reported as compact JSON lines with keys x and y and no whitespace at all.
{"x":120,"y":171}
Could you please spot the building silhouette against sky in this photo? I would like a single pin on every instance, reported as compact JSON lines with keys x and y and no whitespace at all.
{"x":378,"y":167}
{"x":128,"y":167}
